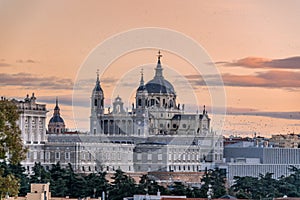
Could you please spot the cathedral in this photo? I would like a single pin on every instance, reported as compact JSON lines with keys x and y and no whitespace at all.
{"x":154,"y":113}
{"x":155,"y":135}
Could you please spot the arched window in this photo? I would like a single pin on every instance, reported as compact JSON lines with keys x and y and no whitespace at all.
{"x":95,"y":102}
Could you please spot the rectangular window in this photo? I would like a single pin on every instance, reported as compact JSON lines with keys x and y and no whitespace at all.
{"x":139,"y":156}
{"x":47,"y":155}
{"x":57,"y":155}
{"x":113,"y":156}
{"x":67,"y":155}
{"x":159,"y":157}
{"x":42,"y":155}
{"x":34,"y":155}
{"x":149,"y":156}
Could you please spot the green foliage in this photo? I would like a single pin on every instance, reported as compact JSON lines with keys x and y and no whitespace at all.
{"x":122,"y":186}
{"x":150,"y":186}
{"x":11,"y":147}
{"x":11,"y":150}
{"x":179,"y":189}
{"x":266,"y":187}
{"x":65,"y":182}
{"x":217,"y":179}
{"x":58,"y":181}
{"x":18,"y":172}
{"x":39,"y":175}
{"x":8,"y":185}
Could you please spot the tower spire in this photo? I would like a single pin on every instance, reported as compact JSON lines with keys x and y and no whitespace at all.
{"x":56,"y":109}
{"x":142,"y":78}
{"x":98,"y":81}
{"x":158,"y":69}
{"x":97,"y":86}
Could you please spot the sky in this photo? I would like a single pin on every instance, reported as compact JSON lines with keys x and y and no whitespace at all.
{"x":254,"y":45}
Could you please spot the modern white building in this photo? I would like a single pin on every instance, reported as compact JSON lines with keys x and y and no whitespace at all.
{"x":254,"y":160}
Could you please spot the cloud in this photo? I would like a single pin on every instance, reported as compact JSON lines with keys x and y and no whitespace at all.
{"x":62,"y":100}
{"x":35,"y":81}
{"x":268,"y":79}
{"x":2,"y":64}
{"x":26,"y":61}
{"x":282,"y":115}
{"x":89,"y":84}
{"x":109,"y":80}
{"x":258,"y":62}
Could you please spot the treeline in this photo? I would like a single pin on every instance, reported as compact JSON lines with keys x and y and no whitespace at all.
{"x":266,"y":187}
{"x":65,"y":182}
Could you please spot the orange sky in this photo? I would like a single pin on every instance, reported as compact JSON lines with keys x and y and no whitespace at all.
{"x":255,"y":45}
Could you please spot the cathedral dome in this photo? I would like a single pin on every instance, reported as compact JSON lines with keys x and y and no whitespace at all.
{"x":56,"y":123}
{"x":56,"y":119}
{"x":159,"y":85}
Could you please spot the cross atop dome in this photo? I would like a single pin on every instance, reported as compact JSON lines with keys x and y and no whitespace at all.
{"x":159,"y":55}
{"x":158,"y":69}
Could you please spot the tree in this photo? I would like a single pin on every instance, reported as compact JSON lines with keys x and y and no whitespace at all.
{"x":256,"y":188}
{"x":179,"y":189}
{"x":58,"y":181}
{"x":20,"y":173}
{"x":8,"y":185}
{"x":245,"y":187}
{"x":217,"y":179}
{"x":290,"y":185}
{"x":11,"y":146}
{"x":150,"y":186}
{"x":122,"y":186}
{"x":40,"y":175}
{"x":267,"y":186}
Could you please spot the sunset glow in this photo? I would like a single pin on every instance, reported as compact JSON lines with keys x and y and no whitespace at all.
{"x":255,"y":45}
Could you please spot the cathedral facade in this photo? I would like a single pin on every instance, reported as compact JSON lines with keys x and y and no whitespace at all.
{"x":162,"y":136}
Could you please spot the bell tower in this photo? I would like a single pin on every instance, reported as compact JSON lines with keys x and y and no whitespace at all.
{"x":97,"y":106}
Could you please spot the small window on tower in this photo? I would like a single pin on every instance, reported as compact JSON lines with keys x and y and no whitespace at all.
{"x":95,"y":102}
{"x":139,"y":102}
